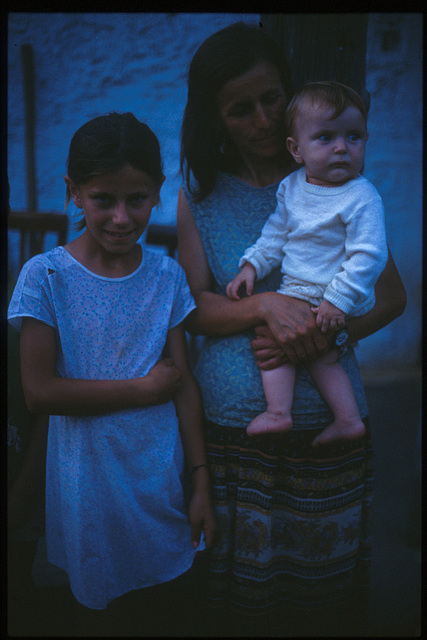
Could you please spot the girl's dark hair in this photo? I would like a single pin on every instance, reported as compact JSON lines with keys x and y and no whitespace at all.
{"x":108,"y":143}
{"x":225,"y":55}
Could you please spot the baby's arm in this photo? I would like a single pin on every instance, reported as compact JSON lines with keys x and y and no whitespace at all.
{"x":46,"y":393}
{"x":189,"y":410}
{"x":328,"y":316}
{"x":246,"y":276}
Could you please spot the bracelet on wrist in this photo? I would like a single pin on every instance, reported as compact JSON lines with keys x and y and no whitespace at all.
{"x":199,"y":466}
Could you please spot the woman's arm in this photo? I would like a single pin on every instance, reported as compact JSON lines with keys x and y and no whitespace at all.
{"x":189,"y":410}
{"x":45,"y":393}
{"x":390,"y":302}
{"x":290,"y":320}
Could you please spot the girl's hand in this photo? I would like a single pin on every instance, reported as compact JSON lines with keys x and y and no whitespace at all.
{"x":292,"y":324}
{"x":164,"y":381}
{"x":247,"y":277}
{"x":328,"y":316}
{"x":202,"y":518}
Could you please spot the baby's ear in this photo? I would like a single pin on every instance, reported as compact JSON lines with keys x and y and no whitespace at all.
{"x":293,"y":149}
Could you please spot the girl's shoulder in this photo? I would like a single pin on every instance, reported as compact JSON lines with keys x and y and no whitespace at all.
{"x":44,"y":264}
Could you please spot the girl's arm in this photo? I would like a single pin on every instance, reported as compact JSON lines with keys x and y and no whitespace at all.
{"x":189,"y":410}
{"x":46,"y":393}
{"x":31,"y":475}
{"x":290,"y":320}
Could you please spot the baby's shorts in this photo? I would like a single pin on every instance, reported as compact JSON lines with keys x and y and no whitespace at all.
{"x":294,"y":288}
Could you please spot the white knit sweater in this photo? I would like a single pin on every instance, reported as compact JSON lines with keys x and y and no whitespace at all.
{"x":329,"y":236}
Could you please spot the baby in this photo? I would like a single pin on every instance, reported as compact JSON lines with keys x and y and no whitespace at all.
{"x":328,"y":235}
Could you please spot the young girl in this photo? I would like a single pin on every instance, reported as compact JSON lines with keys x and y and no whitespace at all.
{"x":96,"y":317}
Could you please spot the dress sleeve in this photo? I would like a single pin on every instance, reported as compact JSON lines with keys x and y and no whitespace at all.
{"x":32,"y":295}
{"x":183,"y":302}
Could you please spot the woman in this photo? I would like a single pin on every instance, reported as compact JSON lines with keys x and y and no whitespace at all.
{"x":293,"y":521}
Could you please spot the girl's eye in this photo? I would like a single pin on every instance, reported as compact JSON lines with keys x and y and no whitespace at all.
{"x":138,"y":199}
{"x":103,"y":200}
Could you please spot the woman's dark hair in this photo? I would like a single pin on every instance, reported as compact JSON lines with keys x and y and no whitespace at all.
{"x":108,"y":143}
{"x":225,"y":55}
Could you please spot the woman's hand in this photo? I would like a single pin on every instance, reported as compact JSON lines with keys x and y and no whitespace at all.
{"x":292,"y":325}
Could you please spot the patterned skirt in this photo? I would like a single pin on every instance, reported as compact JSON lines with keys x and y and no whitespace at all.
{"x":294,"y":522}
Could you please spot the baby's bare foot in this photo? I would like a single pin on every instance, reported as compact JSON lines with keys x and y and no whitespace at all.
{"x":269,"y":422}
{"x":340,"y":431}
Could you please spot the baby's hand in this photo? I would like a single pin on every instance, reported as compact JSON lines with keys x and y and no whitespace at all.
{"x":246,"y":276}
{"x":328,"y":316}
{"x":164,"y":380}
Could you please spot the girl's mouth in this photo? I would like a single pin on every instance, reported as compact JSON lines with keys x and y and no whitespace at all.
{"x":119,"y":234}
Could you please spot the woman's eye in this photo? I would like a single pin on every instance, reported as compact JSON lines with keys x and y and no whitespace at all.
{"x":272,"y":98}
{"x":238,"y":112}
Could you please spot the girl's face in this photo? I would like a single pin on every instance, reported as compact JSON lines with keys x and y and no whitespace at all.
{"x":117,"y":208}
{"x":251,"y":109}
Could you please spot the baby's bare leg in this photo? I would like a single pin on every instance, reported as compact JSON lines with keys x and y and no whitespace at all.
{"x":279,"y":390}
{"x":335,"y":386}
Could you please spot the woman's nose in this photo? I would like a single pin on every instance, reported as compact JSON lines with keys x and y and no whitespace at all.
{"x":261,"y":117}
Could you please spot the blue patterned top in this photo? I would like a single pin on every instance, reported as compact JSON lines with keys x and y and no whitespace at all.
{"x":229,"y":220}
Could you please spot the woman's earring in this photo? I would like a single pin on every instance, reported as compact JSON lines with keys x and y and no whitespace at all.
{"x":220,"y":139}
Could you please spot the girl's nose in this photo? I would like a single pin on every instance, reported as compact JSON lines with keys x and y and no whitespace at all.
{"x":120,"y":214}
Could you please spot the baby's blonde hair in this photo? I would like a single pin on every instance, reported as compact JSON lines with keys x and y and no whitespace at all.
{"x":328,"y":92}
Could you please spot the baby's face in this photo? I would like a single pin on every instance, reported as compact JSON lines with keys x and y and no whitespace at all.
{"x":333,"y":151}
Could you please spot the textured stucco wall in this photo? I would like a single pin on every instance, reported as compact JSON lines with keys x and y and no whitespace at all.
{"x":91,"y":63}
{"x":394,"y":165}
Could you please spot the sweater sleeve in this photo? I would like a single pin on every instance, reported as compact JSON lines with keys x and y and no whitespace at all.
{"x":366,"y":255}
{"x":267,"y":252}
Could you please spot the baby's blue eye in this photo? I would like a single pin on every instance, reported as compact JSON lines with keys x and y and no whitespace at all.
{"x":325,"y":137}
{"x":354,"y":137}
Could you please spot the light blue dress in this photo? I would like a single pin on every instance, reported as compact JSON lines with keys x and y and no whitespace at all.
{"x":293,"y":522}
{"x":230,"y":220}
{"x":115,"y":513}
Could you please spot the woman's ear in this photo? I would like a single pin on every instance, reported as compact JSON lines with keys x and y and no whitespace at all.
{"x":293,"y":149}
{"x":74,"y":192}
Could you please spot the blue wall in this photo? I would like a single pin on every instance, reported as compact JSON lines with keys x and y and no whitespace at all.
{"x":87,"y":64}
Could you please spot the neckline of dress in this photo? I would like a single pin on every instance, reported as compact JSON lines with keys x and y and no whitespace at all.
{"x":106,"y":278}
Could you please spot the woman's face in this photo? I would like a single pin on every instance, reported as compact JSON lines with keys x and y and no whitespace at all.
{"x":251,"y":109}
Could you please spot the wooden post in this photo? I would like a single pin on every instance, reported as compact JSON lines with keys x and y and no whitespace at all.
{"x":29,"y":107}
{"x":323,"y":46}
